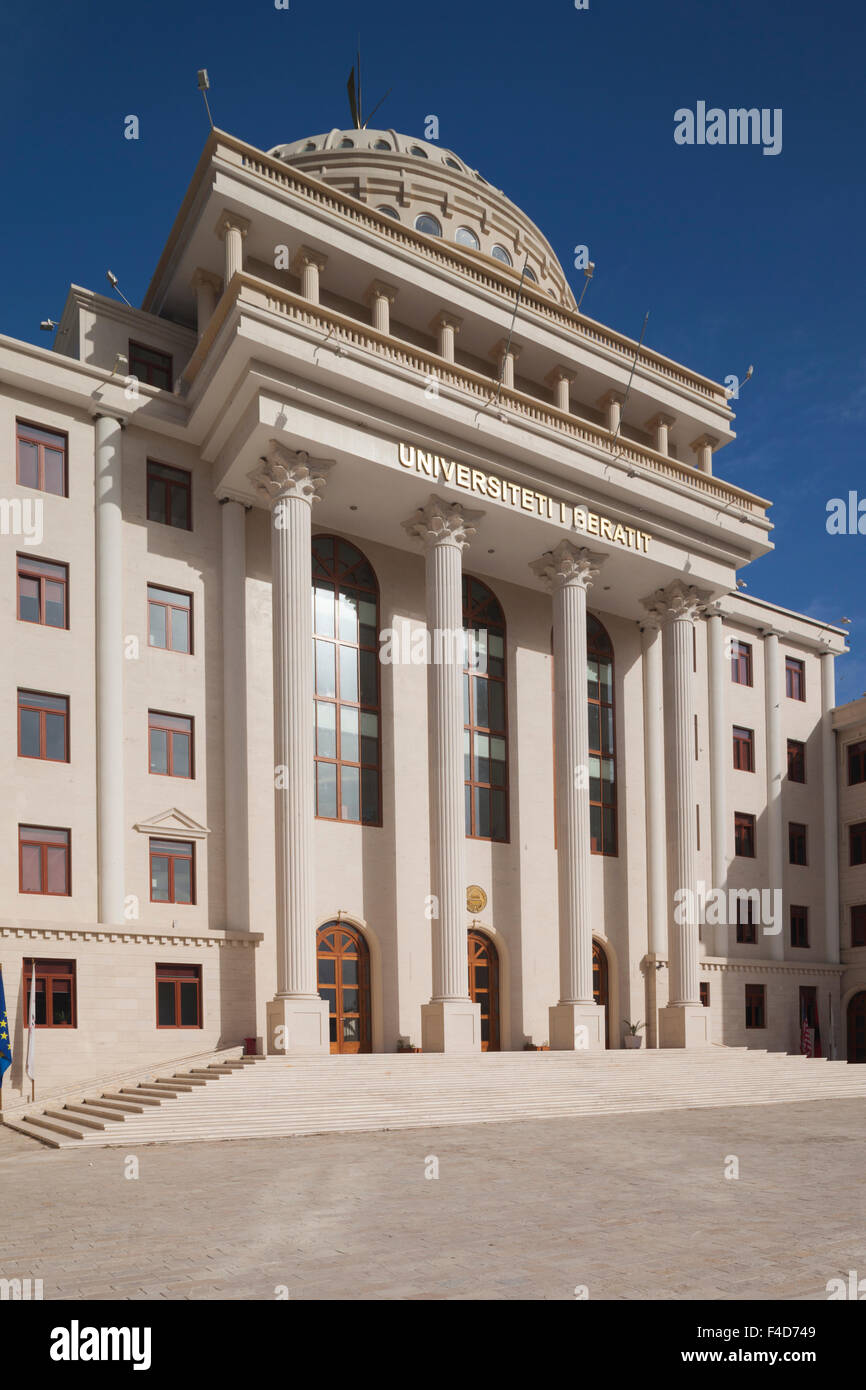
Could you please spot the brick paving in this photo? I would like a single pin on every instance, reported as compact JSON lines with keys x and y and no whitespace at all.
{"x":632,"y":1206}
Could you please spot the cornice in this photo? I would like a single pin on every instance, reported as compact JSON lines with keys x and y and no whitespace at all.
{"x":140,"y":937}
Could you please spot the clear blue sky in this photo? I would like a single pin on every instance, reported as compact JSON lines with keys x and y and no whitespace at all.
{"x":739,"y":257}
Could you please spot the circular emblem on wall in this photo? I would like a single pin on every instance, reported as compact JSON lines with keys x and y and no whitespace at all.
{"x":476,"y":898}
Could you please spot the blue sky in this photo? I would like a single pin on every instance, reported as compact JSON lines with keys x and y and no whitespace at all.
{"x":739,"y":257}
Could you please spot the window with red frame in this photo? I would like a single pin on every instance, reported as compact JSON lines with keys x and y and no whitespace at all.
{"x":169,"y":495}
{"x":797,"y":843}
{"x":169,"y":619}
{"x":799,"y":926}
{"x":41,"y":458}
{"x":756,"y":1011}
{"x":796,"y":761}
{"x":744,"y":749}
{"x":150,"y":365}
{"x":42,"y":592}
{"x":744,"y":835}
{"x":485,"y":726}
{"x":704,"y":988}
{"x":795,"y":678}
{"x":602,"y":751}
{"x":43,"y":860}
{"x":856,"y":763}
{"x":178,"y":996}
{"x":747,"y":932}
{"x":43,"y":726}
{"x":172,"y":871}
{"x":741,"y":663}
{"x":55,"y":993}
{"x":170,"y":744}
{"x":857,"y":843}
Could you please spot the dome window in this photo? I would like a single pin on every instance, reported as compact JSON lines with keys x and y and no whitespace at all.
{"x":530,"y":274}
{"x":381,"y":145}
{"x":501,"y":254}
{"x":465,"y":236}
{"x":416,"y":149}
{"x":310,"y":145}
{"x":346,"y":145}
{"x":425,"y":222}
{"x":389,"y":212}
{"x":452,"y":163}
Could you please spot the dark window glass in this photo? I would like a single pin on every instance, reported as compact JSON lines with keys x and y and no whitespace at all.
{"x":169,"y":495}
{"x":856,"y":763}
{"x":744,"y":835}
{"x":150,"y":365}
{"x":857,"y":843}
{"x":796,"y":761}
{"x":42,"y":589}
{"x":744,"y":750}
{"x":43,"y":726}
{"x":41,"y":458}
{"x":741,"y":663}
{"x":178,"y":996}
{"x":55,"y":993}
{"x":485,"y":731}
{"x":796,"y":843}
{"x":858,"y":925}
{"x":755,"y":1006}
{"x":795,"y":678}
{"x":799,"y":926}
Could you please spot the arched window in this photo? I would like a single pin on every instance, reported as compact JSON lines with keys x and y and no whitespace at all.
{"x":346,"y":679}
{"x":485,"y":737}
{"x":602,"y":758}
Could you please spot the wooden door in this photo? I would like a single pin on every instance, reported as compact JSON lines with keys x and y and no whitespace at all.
{"x":484,"y":987}
{"x":599,"y":985}
{"x":344,"y":980}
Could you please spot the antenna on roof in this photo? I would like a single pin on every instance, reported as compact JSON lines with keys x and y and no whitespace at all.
{"x":356,"y":95}
{"x":203,"y":85}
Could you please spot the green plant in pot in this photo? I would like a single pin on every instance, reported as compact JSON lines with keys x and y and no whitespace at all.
{"x":632,"y":1037}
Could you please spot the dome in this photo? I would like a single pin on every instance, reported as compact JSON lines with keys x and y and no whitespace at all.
{"x":434,"y":191}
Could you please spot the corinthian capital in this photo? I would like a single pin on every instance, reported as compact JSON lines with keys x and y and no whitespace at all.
{"x":288,"y":473}
{"x":678,"y":601}
{"x":443,"y":523}
{"x":567,"y":564}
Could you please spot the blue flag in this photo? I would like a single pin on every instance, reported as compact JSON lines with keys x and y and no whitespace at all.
{"x":5,"y":1043}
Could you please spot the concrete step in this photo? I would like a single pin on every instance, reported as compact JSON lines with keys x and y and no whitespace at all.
{"x":56,"y":1126}
{"x":78,"y":1119}
{"x":96,"y":1111}
{"x":42,"y":1136}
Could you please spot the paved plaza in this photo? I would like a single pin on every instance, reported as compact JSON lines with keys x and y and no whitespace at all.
{"x":630,"y":1206}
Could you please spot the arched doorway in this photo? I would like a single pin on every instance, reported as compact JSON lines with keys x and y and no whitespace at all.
{"x":599,"y":985}
{"x":343,"y":965}
{"x":857,"y":1028}
{"x":484,"y":986}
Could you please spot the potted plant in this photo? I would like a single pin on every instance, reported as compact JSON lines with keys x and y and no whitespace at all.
{"x":632,"y":1037}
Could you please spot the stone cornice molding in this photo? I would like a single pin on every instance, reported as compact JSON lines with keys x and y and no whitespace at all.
{"x":173,"y":825}
{"x":440,"y":522}
{"x":567,"y":564}
{"x":286,"y":473}
{"x":678,"y":602}
{"x":231,"y":220}
{"x":143,"y":936}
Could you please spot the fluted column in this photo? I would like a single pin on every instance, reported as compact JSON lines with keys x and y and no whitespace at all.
{"x":612,"y":403}
{"x":234,"y":578}
{"x":380,"y":297}
{"x":505,"y":355}
{"x":110,"y":811}
{"x":291,"y":483}
{"x":703,"y":447}
{"x":576,"y":1022}
{"x":683,"y":1023}
{"x":446,"y":327}
{"x":660,"y":426}
{"x":450,"y":1022}
{"x":774,"y":946}
{"x":560,"y":381}
{"x":232,"y":229}
{"x":309,"y":264}
{"x":718,"y":677}
{"x":654,"y":779}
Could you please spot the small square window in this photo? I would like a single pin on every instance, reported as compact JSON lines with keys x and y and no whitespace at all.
{"x":150,"y":365}
{"x":178,"y":996}
{"x":43,"y":860}
{"x":43,"y":726}
{"x":169,"y":619}
{"x":41,"y":458}
{"x":55,"y":992}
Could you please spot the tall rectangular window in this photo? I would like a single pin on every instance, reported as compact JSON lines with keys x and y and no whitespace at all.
{"x":169,"y":495}
{"x":747,"y":932}
{"x":797,"y":843}
{"x":856,"y":763}
{"x":741,"y":663}
{"x":42,"y":592}
{"x":744,"y":749}
{"x":796,"y":760}
{"x":169,"y":617}
{"x":150,"y":365}
{"x":178,"y":996}
{"x":795,"y":678}
{"x":858,"y":925}
{"x":799,"y":926}
{"x":857,"y":843}
{"x":43,"y":860}
{"x":704,"y":987}
{"x":172,"y":871}
{"x":170,"y":744}
{"x":744,"y":835}
{"x":41,"y":458}
{"x":55,"y":992}
{"x":756,"y":1010}
{"x":43,"y":726}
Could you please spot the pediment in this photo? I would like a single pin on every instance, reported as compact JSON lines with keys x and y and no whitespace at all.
{"x":173,"y":825}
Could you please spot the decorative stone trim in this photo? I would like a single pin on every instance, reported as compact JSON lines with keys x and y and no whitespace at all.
{"x":131,"y":938}
{"x":187,"y":829}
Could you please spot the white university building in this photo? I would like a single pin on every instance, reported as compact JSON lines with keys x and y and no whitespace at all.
{"x":257,"y":783}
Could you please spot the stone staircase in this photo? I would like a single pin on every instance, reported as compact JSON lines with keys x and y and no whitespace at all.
{"x":248,"y":1098}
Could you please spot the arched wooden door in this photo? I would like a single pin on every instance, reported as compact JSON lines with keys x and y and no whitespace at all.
{"x":599,"y":985}
{"x":344,"y":980}
{"x":857,"y":1028}
{"x":484,"y":987}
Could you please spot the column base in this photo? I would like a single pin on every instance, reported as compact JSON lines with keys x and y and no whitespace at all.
{"x":577,"y":1028}
{"x":298,"y":1027}
{"x":451,"y":1025}
{"x":684,"y":1025}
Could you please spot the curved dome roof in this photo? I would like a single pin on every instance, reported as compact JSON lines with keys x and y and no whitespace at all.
{"x":434,"y":190}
